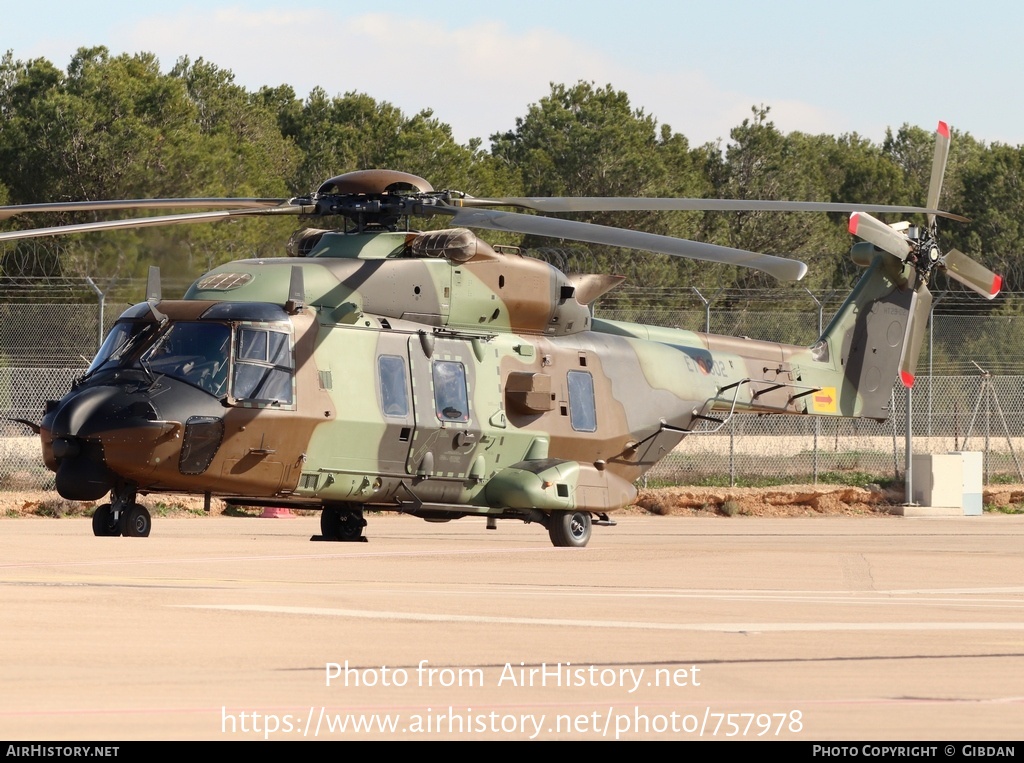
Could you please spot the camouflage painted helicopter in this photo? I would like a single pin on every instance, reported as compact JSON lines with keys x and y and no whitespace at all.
{"x":433,"y":374}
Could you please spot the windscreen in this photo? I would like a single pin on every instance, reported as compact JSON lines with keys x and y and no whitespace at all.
{"x":125,"y":336}
{"x":197,"y":353}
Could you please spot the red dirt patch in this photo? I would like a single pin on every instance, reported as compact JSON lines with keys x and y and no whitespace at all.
{"x":781,"y":501}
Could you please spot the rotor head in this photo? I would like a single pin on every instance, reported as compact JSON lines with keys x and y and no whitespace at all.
{"x":369,"y":198}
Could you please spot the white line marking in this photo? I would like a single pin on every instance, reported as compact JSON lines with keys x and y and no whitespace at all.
{"x":836,"y":597}
{"x":284,"y":557}
{"x":365,"y":614}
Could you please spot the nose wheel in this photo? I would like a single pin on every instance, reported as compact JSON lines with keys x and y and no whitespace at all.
{"x":132,"y":521}
{"x":104,"y":523}
{"x":135,"y":522}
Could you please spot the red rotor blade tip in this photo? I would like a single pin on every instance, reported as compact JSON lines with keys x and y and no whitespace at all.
{"x":907,"y":378}
{"x":997,"y":284}
{"x":943,"y":129}
{"x":854,"y":220}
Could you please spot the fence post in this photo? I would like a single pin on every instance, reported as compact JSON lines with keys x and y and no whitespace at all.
{"x":908,"y":469}
{"x":814,"y":459}
{"x":732,"y":451}
{"x":986,"y":382}
{"x":931,"y":353}
{"x":707,"y":306}
{"x":895,"y":450}
{"x":817,"y":421}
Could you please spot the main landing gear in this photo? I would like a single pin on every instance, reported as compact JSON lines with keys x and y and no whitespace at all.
{"x":342,"y":524}
{"x":122,"y":517}
{"x":569,"y":528}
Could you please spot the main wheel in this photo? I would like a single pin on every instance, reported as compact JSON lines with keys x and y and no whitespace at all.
{"x":136,"y":522}
{"x":569,"y":528}
{"x":103,"y":523}
{"x":342,"y":524}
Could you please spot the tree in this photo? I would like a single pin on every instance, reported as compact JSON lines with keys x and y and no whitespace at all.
{"x":584,"y":141}
{"x":236,"y":149}
{"x":589,"y":141}
{"x":994,"y":202}
{"x":103,"y":130}
{"x":760,"y":162}
{"x":108,"y":128}
{"x":912,"y":149}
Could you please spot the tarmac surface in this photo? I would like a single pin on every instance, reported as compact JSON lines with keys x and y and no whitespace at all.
{"x":833,"y":628}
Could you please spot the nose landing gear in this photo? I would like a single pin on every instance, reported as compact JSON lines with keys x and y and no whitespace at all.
{"x":104,"y":522}
{"x":122,"y":517}
{"x":136,"y":522}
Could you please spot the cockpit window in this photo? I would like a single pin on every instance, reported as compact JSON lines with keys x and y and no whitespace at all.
{"x":200,"y":353}
{"x":263,"y":366}
{"x":196,"y":353}
{"x":121,"y":339}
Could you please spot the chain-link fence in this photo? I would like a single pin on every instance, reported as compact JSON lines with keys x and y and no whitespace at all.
{"x":24,"y":391}
{"x":949,"y":413}
{"x":956,"y":405}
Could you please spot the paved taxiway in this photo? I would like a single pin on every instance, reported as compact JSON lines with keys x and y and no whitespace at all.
{"x":221,"y":628}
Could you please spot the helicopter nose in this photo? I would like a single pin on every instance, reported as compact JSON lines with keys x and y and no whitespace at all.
{"x":94,"y":410}
{"x":72,"y":443}
{"x":81,"y":475}
{"x":82,"y":478}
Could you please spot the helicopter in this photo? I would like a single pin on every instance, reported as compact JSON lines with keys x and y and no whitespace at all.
{"x":430,"y":373}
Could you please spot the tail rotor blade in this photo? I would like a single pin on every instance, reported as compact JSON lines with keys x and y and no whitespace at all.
{"x":873,"y":230}
{"x":920,"y":308}
{"x":971,"y":274}
{"x":938,"y":168}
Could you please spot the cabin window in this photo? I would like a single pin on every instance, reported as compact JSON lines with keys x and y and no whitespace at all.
{"x":394,"y":400}
{"x":582,"y":409}
{"x":450,"y":396}
{"x":263,"y":366}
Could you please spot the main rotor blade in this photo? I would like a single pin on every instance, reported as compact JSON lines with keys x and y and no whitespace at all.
{"x":630,"y":204}
{"x":920,"y":308}
{"x":878,"y":233}
{"x":89,"y":206}
{"x":972,"y":274}
{"x":780,"y":267}
{"x":938,"y":168}
{"x":146,"y":222}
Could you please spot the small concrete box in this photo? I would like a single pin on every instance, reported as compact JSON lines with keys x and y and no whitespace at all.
{"x":949,"y":480}
{"x":973,"y":465}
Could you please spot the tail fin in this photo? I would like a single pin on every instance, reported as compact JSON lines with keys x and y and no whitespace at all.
{"x":870,"y":339}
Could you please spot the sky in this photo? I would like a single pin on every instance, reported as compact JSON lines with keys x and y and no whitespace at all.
{"x":700,"y":67}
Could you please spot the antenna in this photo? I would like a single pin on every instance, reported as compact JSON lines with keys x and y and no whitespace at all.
{"x":296,"y":291}
{"x":153,"y":293}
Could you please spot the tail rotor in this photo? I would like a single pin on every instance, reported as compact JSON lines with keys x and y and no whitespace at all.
{"x":919,"y":247}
